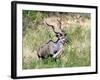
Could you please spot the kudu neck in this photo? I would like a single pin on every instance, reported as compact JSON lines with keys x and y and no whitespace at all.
{"x":58,"y":42}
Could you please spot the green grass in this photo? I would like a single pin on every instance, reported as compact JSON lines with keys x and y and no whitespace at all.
{"x":76,"y":54}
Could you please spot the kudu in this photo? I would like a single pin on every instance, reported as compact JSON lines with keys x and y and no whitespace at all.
{"x":51,"y":48}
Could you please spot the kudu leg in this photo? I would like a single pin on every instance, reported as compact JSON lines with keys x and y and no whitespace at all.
{"x":58,"y":53}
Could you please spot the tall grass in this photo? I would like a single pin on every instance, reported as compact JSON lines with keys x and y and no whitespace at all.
{"x":76,"y":54}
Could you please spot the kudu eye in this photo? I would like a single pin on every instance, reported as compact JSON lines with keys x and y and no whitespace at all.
{"x":58,"y":34}
{"x":65,"y":34}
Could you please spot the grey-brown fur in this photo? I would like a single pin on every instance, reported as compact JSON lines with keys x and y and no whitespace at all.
{"x":43,"y":51}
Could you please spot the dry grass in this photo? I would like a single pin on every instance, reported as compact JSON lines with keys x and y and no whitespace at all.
{"x":76,"y":54}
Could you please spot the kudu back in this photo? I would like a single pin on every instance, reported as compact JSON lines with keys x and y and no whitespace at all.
{"x":53,"y":48}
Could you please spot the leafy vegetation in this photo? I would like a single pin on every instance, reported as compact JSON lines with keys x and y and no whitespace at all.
{"x":75,"y":54}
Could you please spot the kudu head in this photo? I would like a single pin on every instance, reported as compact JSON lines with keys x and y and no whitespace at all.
{"x":62,"y":36}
